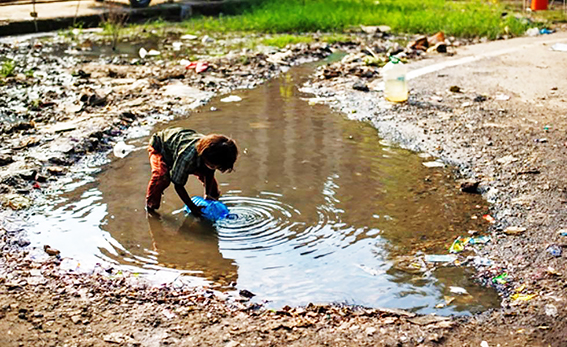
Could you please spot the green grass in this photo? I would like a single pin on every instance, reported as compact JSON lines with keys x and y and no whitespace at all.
{"x":281,"y":41}
{"x":7,"y":68}
{"x":466,"y":18}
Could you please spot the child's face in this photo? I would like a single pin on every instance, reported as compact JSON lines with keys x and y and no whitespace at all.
{"x":212,"y":166}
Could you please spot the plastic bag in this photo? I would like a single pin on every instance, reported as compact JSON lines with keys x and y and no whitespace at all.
{"x":213,"y":210}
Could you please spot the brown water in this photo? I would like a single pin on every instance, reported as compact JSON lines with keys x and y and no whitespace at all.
{"x":326,"y":213}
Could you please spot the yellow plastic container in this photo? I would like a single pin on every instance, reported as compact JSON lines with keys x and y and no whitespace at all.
{"x":395,"y":83}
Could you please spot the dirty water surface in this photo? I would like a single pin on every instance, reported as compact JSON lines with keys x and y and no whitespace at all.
{"x":327,"y":212}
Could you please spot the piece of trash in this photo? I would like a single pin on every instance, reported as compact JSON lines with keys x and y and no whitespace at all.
{"x":532,"y":32}
{"x":153,"y":52}
{"x":142,"y":52}
{"x":458,"y":290}
{"x":489,"y":218}
{"x":501,"y":279}
{"x":455,"y":89}
{"x":440,"y":258}
{"x":432,"y":164}
{"x":459,"y":244}
{"x":121,"y":149}
{"x":207,"y":39}
{"x":51,"y":251}
{"x":188,"y":37}
{"x":484,"y":344}
{"x":246,"y":293}
{"x":199,"y":66}
{"x":184,"y":62}
{"x":480,"y":261}
{"x":177,"y":45}
{"x":212,"y":209}
{"x":232,"y":98}
{"x":546,"y":31}
{"x":559,"y":47}
{"x":523,"y":297}
{"x":480,"y":240}
{"x":554,"y":250}
{"x":514,"y":230}
{"x":550,"y":310}
{"x":562,"y":232}
{"x":502,"y":97}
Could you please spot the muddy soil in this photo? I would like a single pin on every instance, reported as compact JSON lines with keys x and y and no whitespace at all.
{"x":62,"y":121}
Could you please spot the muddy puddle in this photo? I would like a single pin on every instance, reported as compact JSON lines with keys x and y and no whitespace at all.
{"x":327,"y":212}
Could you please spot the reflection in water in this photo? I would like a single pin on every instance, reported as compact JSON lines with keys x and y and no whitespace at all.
{"x":325,"y":212}
{"x":193,"y":245}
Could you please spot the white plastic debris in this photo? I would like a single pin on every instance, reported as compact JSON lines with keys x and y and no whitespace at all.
{"x":142,"y":52}
{"x":189,"y":37}
{"x":432,"y":164}
{"x":184,"y":62}
{"x":232,"y":98}
{"x":559,"y":47}
{"x":458,"y":290}
{"x":532,"y":32}
{"x":484,"y":344}
{"x":121,"y":149}
{"x":502,"y":97}
{"x":153,"y":52}
{"x":177,"y":45}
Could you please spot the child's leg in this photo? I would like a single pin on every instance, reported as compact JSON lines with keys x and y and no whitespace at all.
{"x":159,"y":180}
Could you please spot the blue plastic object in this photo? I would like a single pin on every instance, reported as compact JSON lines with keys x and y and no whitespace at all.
{"x":213,"y":210}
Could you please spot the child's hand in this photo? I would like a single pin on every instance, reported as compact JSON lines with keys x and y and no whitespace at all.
{"x":197,"y":211}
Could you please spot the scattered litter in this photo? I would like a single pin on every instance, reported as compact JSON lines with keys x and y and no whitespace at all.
{"x":142,"y":52}
{"x":550,"y":310}
{"x":440,"y":258}
{"x":480,"y":261}
{"x":199,"y":66}
{"x":489,"y":218}
{"x":546,"y":31}
{"x":562,"y":232}
{"x":484,"y":344}
{"x":51,"y":251}
{"x":554,"y":250}
{"x":232,"y":98}
{"x":432,"y":164}
{"x":455,"y":89}
{"x":532,"y":32}
{"x":514,"y":230}
{"x":459,"y":244}
{"x":153,"y":52}
{"x":188,"y":37}
{"x":177,"y":45}
{"x":480,"y":240}
{"x":458,"y":290}
{"x":502,"y":97}
{"x":523,"y":297}
{"x":121,"y":149}
{"x":559,"y":47}
{"x":500,"y":279}
{"x":207,"y":39}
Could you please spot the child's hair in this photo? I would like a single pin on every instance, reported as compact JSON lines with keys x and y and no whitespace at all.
{"x":218,"y":150}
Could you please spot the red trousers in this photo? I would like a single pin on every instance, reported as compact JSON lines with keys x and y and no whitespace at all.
{"x":160,"y":180}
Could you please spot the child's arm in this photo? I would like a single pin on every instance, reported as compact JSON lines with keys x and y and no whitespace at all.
{"x":195,"y":210}
{"x":211,"y":186}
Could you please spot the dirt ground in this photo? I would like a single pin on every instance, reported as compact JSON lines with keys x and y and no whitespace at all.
{"x":498,"y":116}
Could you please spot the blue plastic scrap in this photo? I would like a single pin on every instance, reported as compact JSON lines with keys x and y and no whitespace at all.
{"x":213,"y":210}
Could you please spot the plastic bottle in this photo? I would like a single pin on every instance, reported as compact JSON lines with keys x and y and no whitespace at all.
{"x":213,"y":210}
{"x":395,"y":83}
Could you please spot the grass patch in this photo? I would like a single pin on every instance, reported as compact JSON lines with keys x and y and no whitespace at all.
{"x":467,"y":18}
{"x":7,"y":68}
{"x":281,"y":41}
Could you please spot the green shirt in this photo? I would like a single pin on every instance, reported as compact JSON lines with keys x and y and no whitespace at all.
{"x":177,"y":146}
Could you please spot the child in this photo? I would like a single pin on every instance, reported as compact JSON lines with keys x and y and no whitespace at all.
{"x":176,"y":153}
